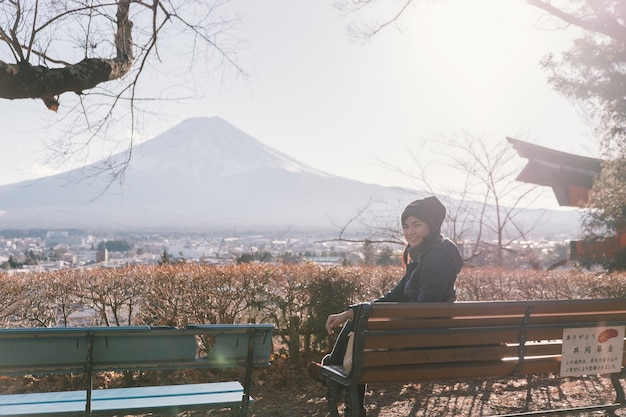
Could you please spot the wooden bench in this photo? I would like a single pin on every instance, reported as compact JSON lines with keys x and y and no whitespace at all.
{"x":87,"y":350}
{"x":443,"y":341}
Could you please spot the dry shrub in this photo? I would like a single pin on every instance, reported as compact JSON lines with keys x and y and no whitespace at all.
{"x":296,"y":298}
{"x":490,"y":283}
{"x":288,"y":304}
{"x":167,"y":296}
{"x":114,"y":294}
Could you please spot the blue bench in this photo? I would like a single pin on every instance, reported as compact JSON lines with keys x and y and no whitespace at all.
{"x":87,"y":350}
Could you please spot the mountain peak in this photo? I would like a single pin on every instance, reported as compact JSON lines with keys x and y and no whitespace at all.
{"x":211,"y":147}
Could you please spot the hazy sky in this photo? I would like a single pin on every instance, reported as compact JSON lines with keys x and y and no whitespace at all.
{"x":448,"y":67}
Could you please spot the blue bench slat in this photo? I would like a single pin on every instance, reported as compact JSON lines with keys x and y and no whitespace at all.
{"x":167,"y":390}
{"x":179,"y":403}
{"x":41,"y":398}
{"x":218,"y":394}
{"x":47,"y":403}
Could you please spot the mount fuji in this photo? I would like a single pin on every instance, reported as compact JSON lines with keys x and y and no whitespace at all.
{"x":202,"y":174}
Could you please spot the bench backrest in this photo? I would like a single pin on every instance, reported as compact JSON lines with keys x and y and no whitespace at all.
{"x":41,"y":350}
{"x":228,"y":345}
{"x":426,"y":341}
{"x":59,"y":350}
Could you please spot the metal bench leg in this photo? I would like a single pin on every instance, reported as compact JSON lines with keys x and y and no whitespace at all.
{"x":332,"y":397}
{"x":353,"y":401}
{"x":236,"y":412}
{"x":619,"y":390}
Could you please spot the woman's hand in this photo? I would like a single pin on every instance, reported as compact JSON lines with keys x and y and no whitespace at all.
{"x":335,"y":320}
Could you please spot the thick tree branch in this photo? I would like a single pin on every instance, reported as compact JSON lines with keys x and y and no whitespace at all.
{"x":23,"y":80}
{"x":600,"y":24}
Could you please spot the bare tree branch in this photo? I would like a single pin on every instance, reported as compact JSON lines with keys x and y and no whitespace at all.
{"x":602,"y":22}
{"x":92,"y":49}
{"x":23,"y":80}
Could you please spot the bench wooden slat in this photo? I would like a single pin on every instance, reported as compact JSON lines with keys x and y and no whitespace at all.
{"x":477,"y":353}
{"x":577,"y":306}
{"x":578,"y":318}
{"x":425,"y":339}
{"x":442,"y":310}
{"x":60,"y":408}
{"x":437,"y":355}
{"x":159,"y":398}
{"x":418,"y":373}
{"x":485,"y":321}
{"x":460,"y":337}
{"x":457,"y":371}
{"x":497,"y":308}
{"x":139,"y":399}
{"x":103,"y":394}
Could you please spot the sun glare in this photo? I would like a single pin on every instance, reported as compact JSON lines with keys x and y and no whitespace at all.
{"x":478,"y":57}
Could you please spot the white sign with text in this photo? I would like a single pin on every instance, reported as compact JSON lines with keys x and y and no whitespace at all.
{"x":597,"y":350}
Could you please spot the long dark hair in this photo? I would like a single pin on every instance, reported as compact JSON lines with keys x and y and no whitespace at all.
{"x":405,"y":256}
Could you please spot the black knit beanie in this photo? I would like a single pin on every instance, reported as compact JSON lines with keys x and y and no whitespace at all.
{"x":428,"y":209}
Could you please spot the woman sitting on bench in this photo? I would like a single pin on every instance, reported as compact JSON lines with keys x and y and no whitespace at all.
{"x":432,"y":265}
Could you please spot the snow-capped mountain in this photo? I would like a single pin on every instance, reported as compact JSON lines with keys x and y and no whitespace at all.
{"x":201,"y":174}
{"x":209,"y":147}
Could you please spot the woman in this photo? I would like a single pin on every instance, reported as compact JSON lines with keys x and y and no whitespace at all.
{"x":432,"y":265}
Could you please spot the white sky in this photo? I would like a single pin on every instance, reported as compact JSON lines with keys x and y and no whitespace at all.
{"x":349,"y":109}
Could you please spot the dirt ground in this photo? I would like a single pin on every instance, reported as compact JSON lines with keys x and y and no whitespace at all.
{"x":476,"y":398}
{"x":290,"y":393}
{"x":286,"y":391}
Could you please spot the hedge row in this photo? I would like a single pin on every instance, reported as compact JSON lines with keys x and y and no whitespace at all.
{"x":295,"y":298}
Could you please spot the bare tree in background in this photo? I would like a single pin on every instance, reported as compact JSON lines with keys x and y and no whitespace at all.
{"x":484,"y":200}
{"x":491,"y":197}
{"x":94,"y":55}
{"x":379,"y":220}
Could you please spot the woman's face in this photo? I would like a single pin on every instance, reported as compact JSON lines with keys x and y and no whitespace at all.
{"x":415,"y":230}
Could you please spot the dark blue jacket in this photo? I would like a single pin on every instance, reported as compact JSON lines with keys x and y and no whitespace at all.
{"x":431,"y":274}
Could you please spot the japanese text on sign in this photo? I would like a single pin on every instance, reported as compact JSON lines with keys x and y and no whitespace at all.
{"x":596,"y":350}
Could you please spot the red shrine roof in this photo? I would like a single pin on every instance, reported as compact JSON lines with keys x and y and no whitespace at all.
{"x":570,"y":176}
